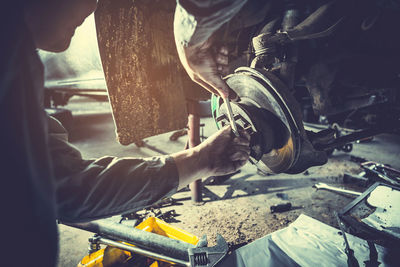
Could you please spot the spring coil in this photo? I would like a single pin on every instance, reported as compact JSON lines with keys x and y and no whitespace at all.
{"x":200,"y":259}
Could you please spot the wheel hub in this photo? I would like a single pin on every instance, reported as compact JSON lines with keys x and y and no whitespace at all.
{"x":260,"y":110}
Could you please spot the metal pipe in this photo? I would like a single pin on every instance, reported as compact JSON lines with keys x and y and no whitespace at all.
{"x":163,"y":245}
{"x":194,"y":140}
{"x":143,"y":252}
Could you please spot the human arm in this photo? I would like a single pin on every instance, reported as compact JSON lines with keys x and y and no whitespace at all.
{"x":107,"y":186}
{"x":92,"y":189}
{"x":194,"y":24}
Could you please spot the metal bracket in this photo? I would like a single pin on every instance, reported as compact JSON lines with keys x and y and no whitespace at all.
{"x":239,"y":120}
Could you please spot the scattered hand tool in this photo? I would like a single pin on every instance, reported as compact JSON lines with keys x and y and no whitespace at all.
{"x":281,"y":207}
{"x":383,"y":172}
{"x":230,"y":117}
{"x":336,"y":189}
{"x":351,"y":259}
{"x":168,"y":216}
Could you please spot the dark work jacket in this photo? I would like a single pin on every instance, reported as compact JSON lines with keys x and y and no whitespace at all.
{"x":44,"y":178}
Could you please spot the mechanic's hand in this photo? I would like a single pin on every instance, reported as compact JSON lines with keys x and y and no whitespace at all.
{"x":205,"y":66}
{"x":223,"y":152}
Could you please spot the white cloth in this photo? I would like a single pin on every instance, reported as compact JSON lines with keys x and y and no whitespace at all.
{"x":306,"y":242}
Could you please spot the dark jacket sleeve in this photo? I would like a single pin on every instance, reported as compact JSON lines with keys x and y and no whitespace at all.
{"x":196,"y":20}
{"x":92,"y":189}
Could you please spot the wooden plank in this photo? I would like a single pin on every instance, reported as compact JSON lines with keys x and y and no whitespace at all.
{"x":145,"y":79}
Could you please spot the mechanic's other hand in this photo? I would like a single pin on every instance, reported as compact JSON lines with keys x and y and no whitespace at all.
{"x":223,"y":152}
{"x":206,"y":67}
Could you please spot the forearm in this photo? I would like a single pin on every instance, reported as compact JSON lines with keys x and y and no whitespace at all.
{"x":190,"y":166}
{"x":109,"y":186}
{"x":194,"y":24}
{"x":91,"y":189}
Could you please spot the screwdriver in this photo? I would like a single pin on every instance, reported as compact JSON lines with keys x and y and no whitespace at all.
{"x":230,"y":117}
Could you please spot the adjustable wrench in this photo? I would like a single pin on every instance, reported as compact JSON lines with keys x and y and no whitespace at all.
{"x":205,"y":256}
{"x":336,"y":189}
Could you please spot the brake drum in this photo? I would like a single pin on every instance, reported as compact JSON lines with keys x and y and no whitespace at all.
{"x":265,"y":109}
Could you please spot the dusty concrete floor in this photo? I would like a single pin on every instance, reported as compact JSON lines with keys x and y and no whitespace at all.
{"x":239,"y":208}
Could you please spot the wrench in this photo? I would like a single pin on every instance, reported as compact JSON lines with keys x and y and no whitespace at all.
{"x":336,"y":189}
{"x":205,"y":256}
{"x":230,"y":117}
